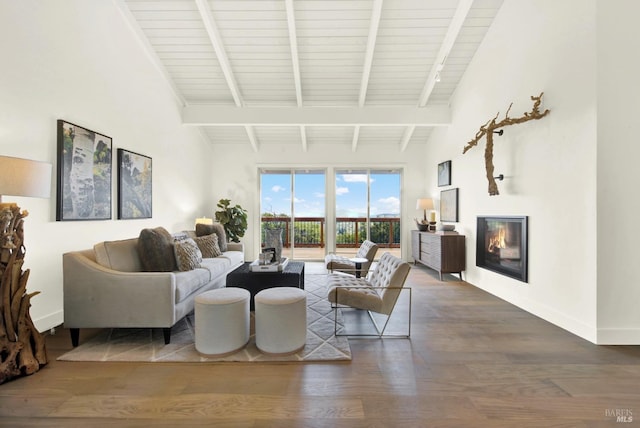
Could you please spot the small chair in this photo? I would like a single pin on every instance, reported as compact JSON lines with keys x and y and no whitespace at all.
{"x":367,"y":251}
{"x":378,"y":293}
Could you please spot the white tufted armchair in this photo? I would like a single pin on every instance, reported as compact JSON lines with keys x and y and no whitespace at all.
{"x":378,"y":292}
{"x":367,"y":250}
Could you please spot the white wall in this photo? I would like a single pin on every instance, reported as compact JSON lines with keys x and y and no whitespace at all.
{"x":239,"y":166}
{"x":618,"y":172}
{"x":549,"y":164}
{"x":77,"y":60}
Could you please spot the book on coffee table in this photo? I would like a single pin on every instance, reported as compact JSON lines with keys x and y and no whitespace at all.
{"x":269,"y":267}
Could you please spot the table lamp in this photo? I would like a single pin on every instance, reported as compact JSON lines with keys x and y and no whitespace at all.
{"x":424,"y":204}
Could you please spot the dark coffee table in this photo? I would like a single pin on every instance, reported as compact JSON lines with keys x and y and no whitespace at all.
{"x":243,"y":277}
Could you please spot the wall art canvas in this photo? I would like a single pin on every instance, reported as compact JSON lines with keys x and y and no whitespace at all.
{"x":449,"y":205}
{"x":83,"y":174}
{"x":444,"y":173}
{"x":134,"y":185}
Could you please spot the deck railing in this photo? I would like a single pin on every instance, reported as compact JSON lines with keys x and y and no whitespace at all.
{"x":350,"y":231}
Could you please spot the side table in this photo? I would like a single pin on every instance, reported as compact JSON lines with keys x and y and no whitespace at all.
{"x":358,"y":261}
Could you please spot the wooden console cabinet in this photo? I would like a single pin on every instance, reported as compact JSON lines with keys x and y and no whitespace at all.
{"x":444,"y":253}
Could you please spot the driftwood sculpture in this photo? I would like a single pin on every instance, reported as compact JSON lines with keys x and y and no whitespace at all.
{"x":492,"y":126}
{"x":22,"y":347}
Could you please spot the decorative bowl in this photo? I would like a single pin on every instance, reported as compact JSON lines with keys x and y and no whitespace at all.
{"x":422,"y":227}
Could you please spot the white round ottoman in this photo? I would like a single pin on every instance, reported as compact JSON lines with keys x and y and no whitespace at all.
{"x":222,"y":321}
{"x":281,"y":320}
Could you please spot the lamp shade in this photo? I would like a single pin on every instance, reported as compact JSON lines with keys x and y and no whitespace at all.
{"x":24,"y":177}
{"x":424,"y":204}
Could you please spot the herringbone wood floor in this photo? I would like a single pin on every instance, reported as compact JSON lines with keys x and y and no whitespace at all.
{"x":472,"y":361}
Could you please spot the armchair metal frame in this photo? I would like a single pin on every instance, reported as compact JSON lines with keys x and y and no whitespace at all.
{"x":380,"y":332}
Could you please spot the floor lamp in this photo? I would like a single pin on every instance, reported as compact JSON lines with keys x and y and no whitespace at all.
{"x":22,"y":347}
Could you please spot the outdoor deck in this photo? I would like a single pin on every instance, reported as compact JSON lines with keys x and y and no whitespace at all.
{"x":309,"y":235}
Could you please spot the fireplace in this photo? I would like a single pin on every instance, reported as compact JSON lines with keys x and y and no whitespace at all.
{"x":502,"y":246}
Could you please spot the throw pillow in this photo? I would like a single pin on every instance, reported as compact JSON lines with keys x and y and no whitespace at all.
{"x":155,"y":249}
{"x":208,"y":245}
{"x":187,"y":253}
{"x":218,"y":229}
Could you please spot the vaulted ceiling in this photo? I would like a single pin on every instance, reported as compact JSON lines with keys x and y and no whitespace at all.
{"x":305,"y":72}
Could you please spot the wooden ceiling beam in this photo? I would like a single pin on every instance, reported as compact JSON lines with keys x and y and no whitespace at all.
{"x":295,"y":62}
{"x":464,"y":6}
{"x":216,"y":41}
{"x":216,"y":115}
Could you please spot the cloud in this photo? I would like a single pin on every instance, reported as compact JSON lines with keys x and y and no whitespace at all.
{"x":318,"y":195}
{"x":390,"y":205}
{"x":341,"y":191}
{"x":277,"y":188}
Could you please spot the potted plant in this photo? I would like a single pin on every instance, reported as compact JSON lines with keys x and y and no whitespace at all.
{"x":232,"y":218}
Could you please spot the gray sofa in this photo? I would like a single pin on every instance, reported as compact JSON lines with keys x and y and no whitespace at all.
{"x":106,"y":287}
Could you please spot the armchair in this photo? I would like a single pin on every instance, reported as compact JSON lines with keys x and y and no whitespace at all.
{"x":377,"y":293}
{"x":367,"y":250}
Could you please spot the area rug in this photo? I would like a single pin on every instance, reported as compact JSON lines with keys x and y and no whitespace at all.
{"x":120,"y":344}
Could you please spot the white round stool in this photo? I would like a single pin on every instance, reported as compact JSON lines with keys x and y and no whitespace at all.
{"x":281,"y":320}
{"x":222,"y":321}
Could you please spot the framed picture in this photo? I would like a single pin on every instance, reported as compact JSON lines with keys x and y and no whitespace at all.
{"x":134,"y":185}
{"x":449,"y":205}
{"x":83,"y":174}
{"x":444,"y":173}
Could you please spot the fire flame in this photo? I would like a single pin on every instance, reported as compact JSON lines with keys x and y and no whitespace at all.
{"x":497,"y":241}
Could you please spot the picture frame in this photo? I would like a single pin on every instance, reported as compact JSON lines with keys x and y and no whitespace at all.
{"x":449,"y":205}
{"x":83,"y":170}
{"x":135,"y":185}
{"x":270,"y":255}
{"x":444,"y":173}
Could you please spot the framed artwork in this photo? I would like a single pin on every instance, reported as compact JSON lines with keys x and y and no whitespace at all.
{"x":134,"y":185}
{"x":449,"y":205}
{"x":444,"y":173}
{"x":83,"y":188}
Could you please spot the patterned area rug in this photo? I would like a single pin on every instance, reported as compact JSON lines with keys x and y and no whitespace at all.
{"x":121,"y":344}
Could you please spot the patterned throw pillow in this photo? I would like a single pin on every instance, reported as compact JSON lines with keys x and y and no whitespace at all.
{"x":187,"y":253}
{"x":218,"y":229}
{"x":208,"y":245}
{"x":155,"y":249}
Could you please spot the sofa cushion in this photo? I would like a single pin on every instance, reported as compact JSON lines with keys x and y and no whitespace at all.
{"x":118,"y":255}
{"x":208,"y":245}
{"x":218,"y":229}
{"x":216,"y":266}
{"x":235,"y":258}
{"x":188,"y":255}
{"x":190,"y":282}
{"x":155,"y":248}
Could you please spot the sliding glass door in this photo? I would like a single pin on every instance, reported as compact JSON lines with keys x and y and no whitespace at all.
{"x":295,"y":201}
{"x":367,"y":206}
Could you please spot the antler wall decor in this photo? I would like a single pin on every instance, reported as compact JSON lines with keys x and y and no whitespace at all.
{"x":491,"y":126}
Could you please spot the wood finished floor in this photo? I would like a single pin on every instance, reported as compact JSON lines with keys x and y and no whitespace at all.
{"x":473,"y":360}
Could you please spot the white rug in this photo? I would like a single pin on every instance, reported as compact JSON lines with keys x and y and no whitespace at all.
{"x":148,"y":344}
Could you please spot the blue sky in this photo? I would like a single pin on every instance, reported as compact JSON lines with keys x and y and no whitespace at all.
{"x":351,"y":196}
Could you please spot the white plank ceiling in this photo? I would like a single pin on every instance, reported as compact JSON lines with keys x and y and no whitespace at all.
{"x":308,"y":72}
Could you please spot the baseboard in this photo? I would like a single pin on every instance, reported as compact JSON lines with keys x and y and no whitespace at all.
{"x":49,"y":321}
{"x":618,"y":336}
